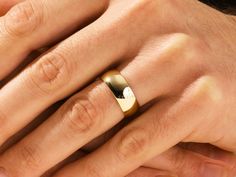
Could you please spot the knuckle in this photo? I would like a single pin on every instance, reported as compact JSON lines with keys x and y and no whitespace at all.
{"x":179,"y":49}
{"x":175,"y":45}
{"x":50,"y":73}
{"x":182,"y":159}
{"x":93,"y":171}
{"x":23,"y":19}
{"x":153,"y":7}
{"x":132,"y":142}
{"x":178,"y":158}
{"x":172,"y":3}
{"x":173,"y":6}
{"x":178,"y":42}
{"x":142,"y":4}
{"x":81,"y":116}
{"x":194,"y":165}
{"x":158,"y":124}
{"x":29,"y":156}
{"x":162,"y":126}
{"x":206,"y":88}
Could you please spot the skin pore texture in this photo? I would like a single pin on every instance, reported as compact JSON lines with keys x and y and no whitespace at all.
{"x":180,"y":53}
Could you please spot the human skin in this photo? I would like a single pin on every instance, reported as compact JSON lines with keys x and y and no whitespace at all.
{"x":184,"y":48}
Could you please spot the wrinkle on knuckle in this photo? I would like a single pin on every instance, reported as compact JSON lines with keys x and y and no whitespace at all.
{"x":29,"y":156}
{"x":23,"y":19}
{"x":161,"y":126}
{"x":182,"y":159}
{"x":178,"y":159}
{"x":81,"y":115}
{"x":93,"y":171}
{"x":132,"y":142}
{"x":50,"y":73}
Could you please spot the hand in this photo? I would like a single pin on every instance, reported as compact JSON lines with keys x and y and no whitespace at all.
{"x":174,"y":160}
{"x":157,"y":49}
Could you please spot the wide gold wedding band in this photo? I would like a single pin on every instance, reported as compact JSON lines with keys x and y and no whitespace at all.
{"x":121,"y":91}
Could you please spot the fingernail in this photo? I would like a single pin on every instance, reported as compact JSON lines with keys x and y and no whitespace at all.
{"x":213,"y":170}
{"x":2,"y":172}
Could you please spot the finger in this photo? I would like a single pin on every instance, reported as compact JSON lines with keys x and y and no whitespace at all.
{"x":178,"y":162}
{"x":149,"y":172}
{"x":212,"y":152}
{"x":5,"y":5}
{"x":187,"y":163}
{"x":78,"y":154}
{"x":157,"y":130}
{"x":53,"y":76}
{"x":32,"y":24}
{"x":82,"y":118}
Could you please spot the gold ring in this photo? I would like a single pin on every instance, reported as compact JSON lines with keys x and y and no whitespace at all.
{"x":122,"y":92}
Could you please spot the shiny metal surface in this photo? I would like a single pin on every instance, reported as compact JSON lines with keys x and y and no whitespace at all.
{"x":122,"y":92}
